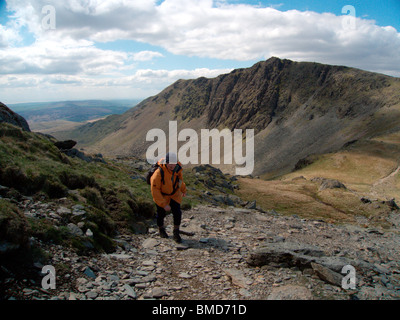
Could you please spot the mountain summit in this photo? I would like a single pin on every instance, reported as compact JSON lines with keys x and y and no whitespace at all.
{"x":296,"y":109}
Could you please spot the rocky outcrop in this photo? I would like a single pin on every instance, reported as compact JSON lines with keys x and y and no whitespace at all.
{"x":328,"y":183}
{"x":227,"y":253}
{"x":65,"y":145}
{"x":9,"y":116}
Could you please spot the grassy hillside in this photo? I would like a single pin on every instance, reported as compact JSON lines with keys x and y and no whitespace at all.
{"x":32,"y":166}
{"x":368,"y":169}
{"x":114,"y":194}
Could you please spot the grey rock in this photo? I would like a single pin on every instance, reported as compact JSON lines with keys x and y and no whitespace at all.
{"x":121,"y":256}
{"x":9,"y":116}
{"x":89,"y":233}
{"x":129,"y":291}
{"x":252,"y":205}
{"x":184,"y":275}
{"x":381,"y":269}
{"x":63,"y":211}
{"x":293,"y":254}
{"x":240,"y":210}
{"x":150,"y":243}
{"x":148,"y":263}
{"x":149,"y":278}
{"x":290,"y":292}
{"x":327,"y":274}
{"x":75,"y":153}
{"x":74,"y":229}
{"x":328,"y":183}
{"x":158,"y":292}
{"x":182,"y":246}
{"x":89,"y":272}
{"x":336,"y":263}
{"x":91,"y":294}
{"x":238,"y":278}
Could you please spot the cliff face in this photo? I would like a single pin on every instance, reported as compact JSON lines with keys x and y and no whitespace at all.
{"x":276,"y":89}
{"x":295,"y":108}
{"x":9,"y":116}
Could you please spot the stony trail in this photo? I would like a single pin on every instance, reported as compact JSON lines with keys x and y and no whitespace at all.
{"x":234,"y":253}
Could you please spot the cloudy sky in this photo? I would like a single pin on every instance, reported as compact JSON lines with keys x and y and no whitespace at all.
{"x":122,"y":49}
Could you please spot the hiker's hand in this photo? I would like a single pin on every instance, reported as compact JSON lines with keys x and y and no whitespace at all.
{"x":167,"y":208}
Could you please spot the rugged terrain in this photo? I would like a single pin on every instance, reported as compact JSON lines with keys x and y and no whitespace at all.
{"x":104,"y":244}
{"x":233,"y":253}
{"x":297,"y":109}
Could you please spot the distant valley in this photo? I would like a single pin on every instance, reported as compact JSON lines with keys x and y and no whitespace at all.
{"x":52,"y":117}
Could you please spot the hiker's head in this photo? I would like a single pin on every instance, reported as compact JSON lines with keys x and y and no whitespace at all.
{"x":171,"y":160}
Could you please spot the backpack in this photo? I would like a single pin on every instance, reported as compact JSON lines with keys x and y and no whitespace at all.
{"x":155,"y":167}
{"x":151,"y":171}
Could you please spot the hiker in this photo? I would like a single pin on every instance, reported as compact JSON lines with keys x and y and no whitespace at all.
{"x":167,"y":189}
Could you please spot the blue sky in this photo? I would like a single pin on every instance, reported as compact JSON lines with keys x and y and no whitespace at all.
{"x":133,"y":49}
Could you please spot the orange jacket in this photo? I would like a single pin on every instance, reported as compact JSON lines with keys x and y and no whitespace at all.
{"x":158,"y":188}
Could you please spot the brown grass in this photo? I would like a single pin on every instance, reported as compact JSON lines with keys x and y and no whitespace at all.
{"x":367,"y":168}
{"x":300,"y":197}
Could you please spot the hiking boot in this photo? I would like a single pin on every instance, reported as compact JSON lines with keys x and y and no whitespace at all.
{"x":163,"y":233}
{"x":177,"y":237}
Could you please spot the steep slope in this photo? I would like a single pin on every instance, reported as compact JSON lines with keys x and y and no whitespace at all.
{"x":295,"y":108}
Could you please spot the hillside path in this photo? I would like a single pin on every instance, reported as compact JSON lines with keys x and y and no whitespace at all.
{"x":213,"y":263}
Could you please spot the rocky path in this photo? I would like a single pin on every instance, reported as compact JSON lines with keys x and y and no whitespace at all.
{"x":233,"y":253}
{"x":383,"y":186}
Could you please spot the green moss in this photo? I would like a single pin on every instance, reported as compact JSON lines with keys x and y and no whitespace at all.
{"x":44,"y":230}
{"x":13,"y":225}
{"x":93,"y":197}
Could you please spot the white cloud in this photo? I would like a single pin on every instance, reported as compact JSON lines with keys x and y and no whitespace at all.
{"x":211,"y":29}
{"x":202,"y":28}
{"x":146,"y":55}
{"x":60,"y":57}
{"x":143,"y":83}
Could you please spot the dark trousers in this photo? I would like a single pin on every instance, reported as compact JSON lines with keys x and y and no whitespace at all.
{"x":176,"y":212}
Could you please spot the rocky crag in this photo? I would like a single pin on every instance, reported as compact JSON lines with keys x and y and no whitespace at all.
{"x":9,"y":116}
{"x":295,"y":108}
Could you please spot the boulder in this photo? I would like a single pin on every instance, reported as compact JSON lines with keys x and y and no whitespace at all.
{"x":392,"y":204}
{"x":252,"y":205}
{"x":9,"y":116}
{"x":286,"y":253}
{"x":328,"y":183}
{"x":65,"y":145}
{"x":75,"y":153}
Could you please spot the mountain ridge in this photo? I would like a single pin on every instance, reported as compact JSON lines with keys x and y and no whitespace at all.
{"x":296,"y":109}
